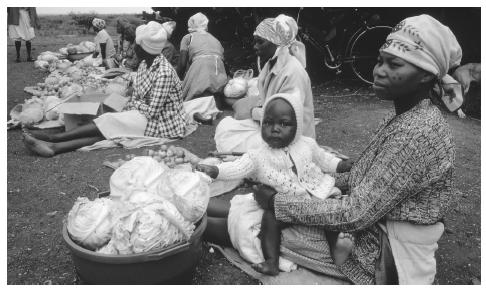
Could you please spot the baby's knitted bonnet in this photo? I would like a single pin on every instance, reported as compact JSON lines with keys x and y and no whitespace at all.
{"x":294,"y":100}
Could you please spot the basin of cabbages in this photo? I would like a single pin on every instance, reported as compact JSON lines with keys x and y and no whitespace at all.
{"x":171,"y":265}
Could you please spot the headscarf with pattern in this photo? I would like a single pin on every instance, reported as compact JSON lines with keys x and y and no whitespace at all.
{"x":428,"y":44}
{"x":197,"y":23}
{"x":282,"y":31}
{"x":99,"y":23}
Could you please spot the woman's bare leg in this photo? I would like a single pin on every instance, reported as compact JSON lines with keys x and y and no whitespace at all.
{"x":48,"y":149}
{"x":84,"y":131}
{"x":217,"y":231}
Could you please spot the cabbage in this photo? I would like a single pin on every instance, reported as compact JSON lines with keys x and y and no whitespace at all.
{"x":63,"y":51}
{"x":90,"y":223}
{"x":32,"y":111}
{"x":138,"y":174}
{"x":63,"y":64}
{"x":41,"y":64}
{"x":155,"y":224}
{"x":69,"y":90}
{"x":49,"y":102}
{"x":236,"y":88}
{"x":90,"y":46}
{"x":188,"y":191}
{"x":47,"y":57}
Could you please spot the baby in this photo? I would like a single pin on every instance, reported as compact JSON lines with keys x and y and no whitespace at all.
{"x":290,"y":163}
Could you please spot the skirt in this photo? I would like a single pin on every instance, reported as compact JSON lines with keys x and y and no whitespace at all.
{"x":237,"y":135}
{"x":121,"y":124}
{"x":23,"y":31}
{"x":206,"y":76}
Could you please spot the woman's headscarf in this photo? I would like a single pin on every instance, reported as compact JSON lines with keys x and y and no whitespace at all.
{"x":197,"y":22}
{"x":282,"y":31}
{"x":151,"y":37}
{"x":99,"y":23}
{"x":426,"y":43}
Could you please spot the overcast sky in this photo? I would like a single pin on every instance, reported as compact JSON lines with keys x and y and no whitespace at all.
{"x":98,"y":10}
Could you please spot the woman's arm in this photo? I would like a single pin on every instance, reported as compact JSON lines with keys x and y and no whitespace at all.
{"x":398,"y":172}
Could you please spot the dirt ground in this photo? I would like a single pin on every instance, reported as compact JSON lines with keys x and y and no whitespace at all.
{"x":41,"y":191}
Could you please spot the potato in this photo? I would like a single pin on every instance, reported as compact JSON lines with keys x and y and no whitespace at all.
{"x":180,"y":153}
{"x":170,"y":153}
{"x":179,"y":160}
{"x":163,"y":147}
{"x":151,"y":152}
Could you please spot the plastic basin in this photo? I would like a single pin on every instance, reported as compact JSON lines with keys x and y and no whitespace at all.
{"x":172,"y":265}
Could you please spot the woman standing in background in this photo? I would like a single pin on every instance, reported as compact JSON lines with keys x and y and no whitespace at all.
{"x":21,"y":23}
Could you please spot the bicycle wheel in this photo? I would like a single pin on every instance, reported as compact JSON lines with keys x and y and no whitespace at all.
{"x":363,"y":51}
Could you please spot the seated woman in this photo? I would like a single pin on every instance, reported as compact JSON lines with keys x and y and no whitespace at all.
{"x":126,"y":55}
{"x":201,"y":60}
{"x":282,"y":73}
{"x":104,"y":43}
{"x":399,"y":188}
{"x":155,"y":108}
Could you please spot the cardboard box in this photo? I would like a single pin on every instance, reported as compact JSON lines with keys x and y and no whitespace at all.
{"x":80,"y":110}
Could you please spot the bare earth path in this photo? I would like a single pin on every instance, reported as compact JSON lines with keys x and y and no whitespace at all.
{"x":41,"y":191}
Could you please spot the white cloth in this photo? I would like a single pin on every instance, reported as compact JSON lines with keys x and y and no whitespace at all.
{"x":413,"y":247}
{"x":244,"y":223}
{"x":204,"y":105}
{"x":233,"y":135}
{"x":23,"y":31}
{"x":130,"y":123}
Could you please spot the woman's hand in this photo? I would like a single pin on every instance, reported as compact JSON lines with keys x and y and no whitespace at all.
{"x":344,"y":166}
{"x":210,"y":170}
{"x":264,"y":196}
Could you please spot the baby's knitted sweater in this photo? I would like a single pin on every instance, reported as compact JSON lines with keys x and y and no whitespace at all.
{"x":273,"y":167}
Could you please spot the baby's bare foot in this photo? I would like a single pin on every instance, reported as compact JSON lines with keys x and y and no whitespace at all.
{"x":344,"y":245}
{"x":39,"y":147}
{"x":267,"y":267}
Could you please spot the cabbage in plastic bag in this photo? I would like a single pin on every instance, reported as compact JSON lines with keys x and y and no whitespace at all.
{"x":90,"y":223}
{"x":139,"y":174}
{"x":69,"y":90}
{"x":154,"y":223}
{"x":188,"y":191}
{"x":50,"y":103}
{"x":236,"y":88}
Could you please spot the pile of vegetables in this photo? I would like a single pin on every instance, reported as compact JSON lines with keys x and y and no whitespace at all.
{"x":150,"y":206}
{"x":83,"y":47}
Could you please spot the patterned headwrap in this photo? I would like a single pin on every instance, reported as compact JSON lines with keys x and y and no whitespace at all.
{"x":98,"y":23}
{"x":197,"y":22}
{"x":426,"y":43}
{"x":281,"y":31}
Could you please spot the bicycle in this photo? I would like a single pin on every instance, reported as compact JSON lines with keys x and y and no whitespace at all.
{"x":361,"y":49}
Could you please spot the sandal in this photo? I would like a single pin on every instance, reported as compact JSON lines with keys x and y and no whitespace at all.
{"x":17,"y":60}
{"x":30,"y":59}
